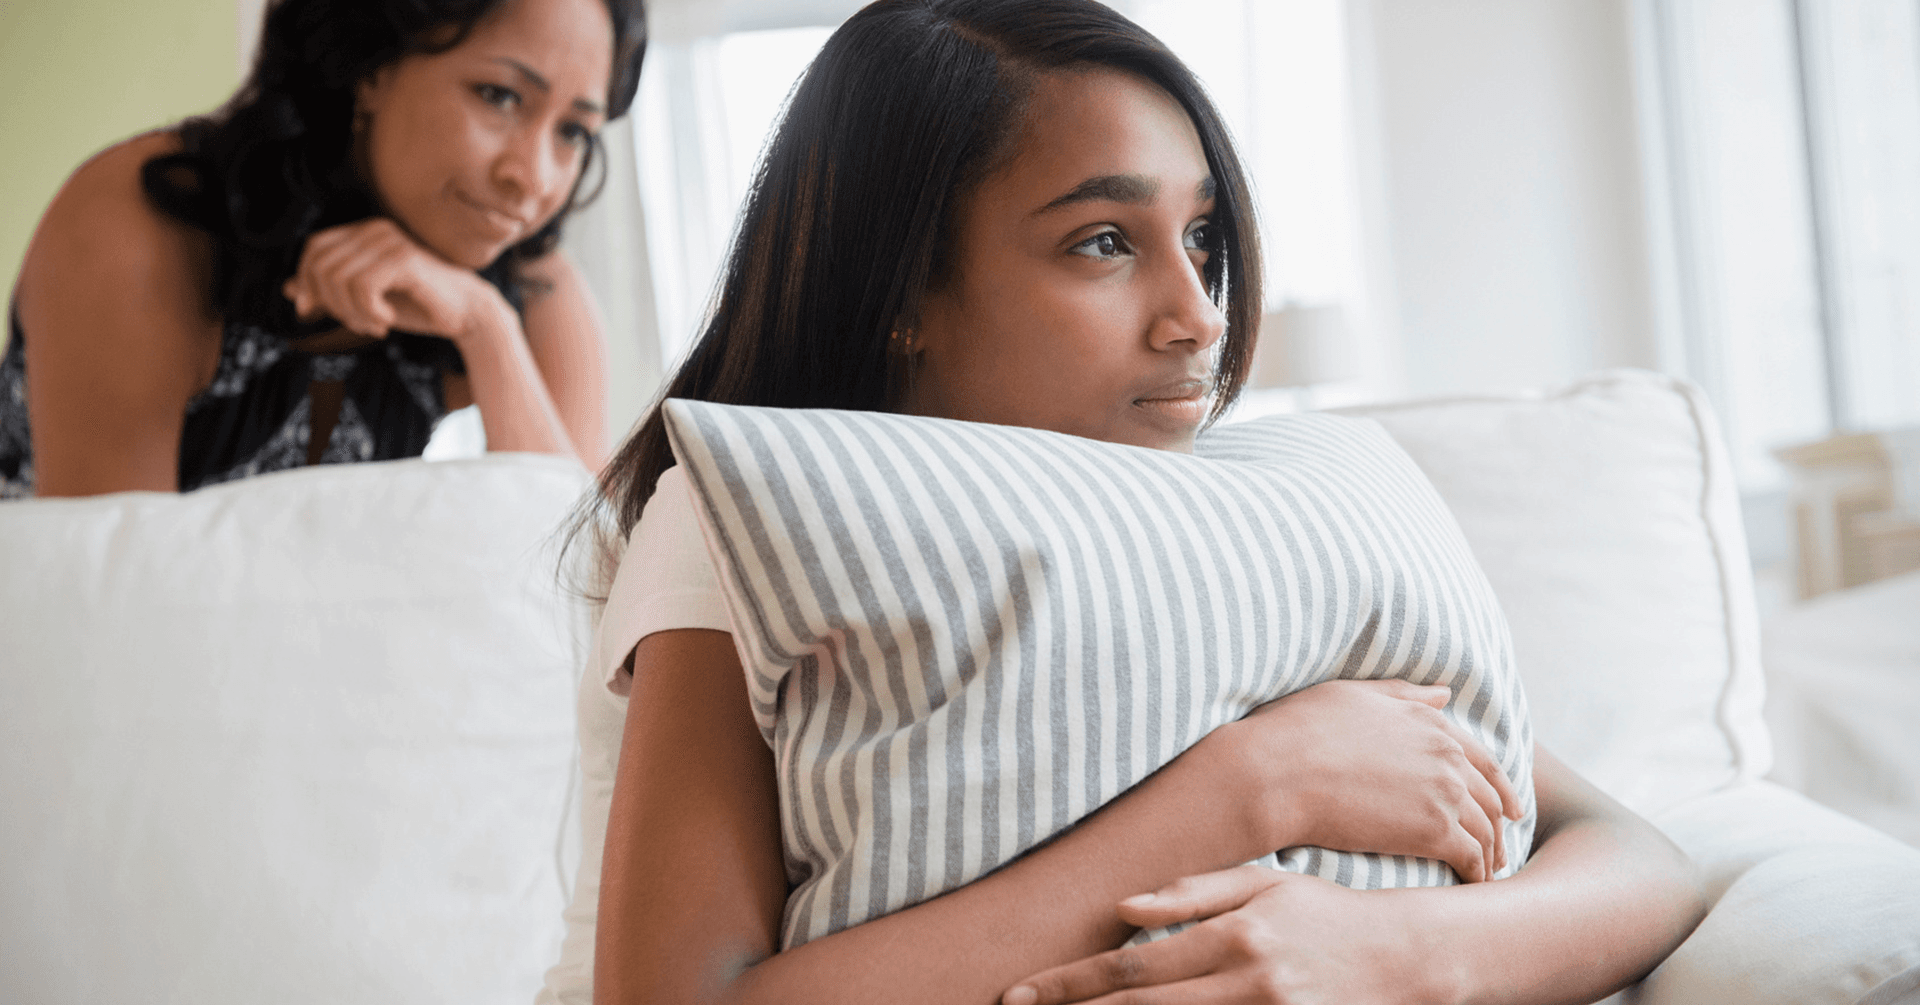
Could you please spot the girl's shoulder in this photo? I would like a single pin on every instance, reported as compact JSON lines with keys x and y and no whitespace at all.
{"x":666,"y":580}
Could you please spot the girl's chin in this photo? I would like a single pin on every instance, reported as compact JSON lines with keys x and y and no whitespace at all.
{"x":1170,"y":423}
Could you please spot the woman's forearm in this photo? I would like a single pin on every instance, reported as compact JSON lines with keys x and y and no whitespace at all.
{"x":515,"y":406}
{"x":1604,"y":898}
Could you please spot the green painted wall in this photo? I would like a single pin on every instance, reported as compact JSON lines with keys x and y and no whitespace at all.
{"x":78,"y":75}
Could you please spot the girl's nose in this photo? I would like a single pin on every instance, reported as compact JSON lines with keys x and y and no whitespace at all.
{"x":1187,"y":311}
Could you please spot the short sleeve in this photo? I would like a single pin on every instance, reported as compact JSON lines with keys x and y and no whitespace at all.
{"x":666,"y":580}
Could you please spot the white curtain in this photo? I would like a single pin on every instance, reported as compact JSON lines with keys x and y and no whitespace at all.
{"x":1787,"y":143}
{"x":608,"y":241}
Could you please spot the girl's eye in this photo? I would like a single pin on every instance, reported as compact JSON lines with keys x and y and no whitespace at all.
{"x":497,"y":96}
{"x":576,"y":134}
{"x":1200,"y":238}
{"x":1106,"y":244}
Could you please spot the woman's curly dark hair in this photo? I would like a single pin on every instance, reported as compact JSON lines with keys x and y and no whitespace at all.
{"x":275,"y":164}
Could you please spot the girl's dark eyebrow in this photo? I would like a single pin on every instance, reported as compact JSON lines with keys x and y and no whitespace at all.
{"x":1129,"y":189}
{"x":532,"y":77}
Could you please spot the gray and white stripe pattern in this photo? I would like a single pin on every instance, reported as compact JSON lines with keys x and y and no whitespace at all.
{"x":960,"y":639}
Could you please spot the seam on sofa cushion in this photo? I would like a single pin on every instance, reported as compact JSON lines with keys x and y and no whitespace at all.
{"x":1745,"y":756}
{"x":1739,"y":658}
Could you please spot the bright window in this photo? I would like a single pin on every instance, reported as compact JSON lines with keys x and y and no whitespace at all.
{"x":706,"y":109}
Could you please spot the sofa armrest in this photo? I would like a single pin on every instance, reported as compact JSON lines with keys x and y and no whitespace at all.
{"x":1810,"y":907}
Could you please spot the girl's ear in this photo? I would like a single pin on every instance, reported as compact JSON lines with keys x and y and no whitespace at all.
{"x":905,"y":339}
{"x":936,"y":323}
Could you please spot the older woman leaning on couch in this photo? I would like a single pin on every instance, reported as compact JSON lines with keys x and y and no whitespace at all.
{"x":363,"y":239}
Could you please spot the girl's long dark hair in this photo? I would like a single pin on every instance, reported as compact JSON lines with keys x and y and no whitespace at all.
{"x":908,"y":105}
{"x":274,"y":165}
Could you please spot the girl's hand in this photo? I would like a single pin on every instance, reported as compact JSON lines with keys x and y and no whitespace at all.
{"x":1373,"y":766}
{"x":1271,"y":937}
{"x":372,"y":278}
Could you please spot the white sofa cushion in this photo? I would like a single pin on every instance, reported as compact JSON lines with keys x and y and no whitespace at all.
{"x":1843,"y":679}
{"x":302,"y":738}
{"x":1809,"y":907}
{"x":1608,"y":520}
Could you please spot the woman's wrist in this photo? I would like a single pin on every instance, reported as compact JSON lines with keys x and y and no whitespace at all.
{"x":488,"y":319}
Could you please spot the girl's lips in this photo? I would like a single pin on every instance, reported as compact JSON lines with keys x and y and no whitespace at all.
{"x":1180,"y":390}
{"x":1184,"y":403}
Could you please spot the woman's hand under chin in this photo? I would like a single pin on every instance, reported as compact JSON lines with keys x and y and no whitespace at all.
{"x":373,"y":278}
{"x":1264,"y":936}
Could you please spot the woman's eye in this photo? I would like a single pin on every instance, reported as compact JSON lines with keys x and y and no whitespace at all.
{"x":1200,"y":238}
{"x":576,"y":134}
{"x":497,"y":96}
{"x":1106,"y":244}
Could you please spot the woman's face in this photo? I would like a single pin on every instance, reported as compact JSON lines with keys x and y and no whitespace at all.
{"x":474,"y":149}
{"x":1075,"y":299}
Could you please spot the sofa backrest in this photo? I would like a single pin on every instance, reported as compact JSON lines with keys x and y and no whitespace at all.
{"x":303,"y":738}
{"x":1607,"y":518}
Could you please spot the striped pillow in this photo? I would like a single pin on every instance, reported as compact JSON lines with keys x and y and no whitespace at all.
{"x":960,"y":638}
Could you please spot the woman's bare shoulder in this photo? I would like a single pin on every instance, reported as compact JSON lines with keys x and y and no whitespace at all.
{"x":102,"y":232}
{"x":115,"y":298}
{"x":102,"y":225}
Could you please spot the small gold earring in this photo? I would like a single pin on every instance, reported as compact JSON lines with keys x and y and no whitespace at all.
{"x":902,"y":340}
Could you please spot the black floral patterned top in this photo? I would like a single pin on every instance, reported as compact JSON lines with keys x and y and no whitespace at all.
{"x":256,"y":415}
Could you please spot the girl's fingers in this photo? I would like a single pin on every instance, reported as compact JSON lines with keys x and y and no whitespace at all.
{"x":1434,"y":695}
{"x":1474,"y":821}
{"x":1195,"y":897}
{"x":1489,"y":769}
{"x":1488,"y":802}
{"x":1193,"y":953}
{"x":1207,"y":989}
{"x":1465,"y":852}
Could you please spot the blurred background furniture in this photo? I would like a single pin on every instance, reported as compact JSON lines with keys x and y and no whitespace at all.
{"x":1843,"y":678}
{"x":1853,"y":524}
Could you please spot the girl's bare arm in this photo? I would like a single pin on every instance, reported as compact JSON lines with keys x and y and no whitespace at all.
{"x":693,"y":883}
{"x":1603,"y":900}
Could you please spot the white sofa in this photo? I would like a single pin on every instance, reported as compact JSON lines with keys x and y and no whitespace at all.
{"x":309,"y":738}
{"x":1843,"y":700}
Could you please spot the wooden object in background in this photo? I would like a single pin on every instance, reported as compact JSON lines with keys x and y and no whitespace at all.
{"x":1846,"y":530}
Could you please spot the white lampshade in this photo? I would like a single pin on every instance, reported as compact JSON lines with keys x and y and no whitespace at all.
{"x":1302,"y":345}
